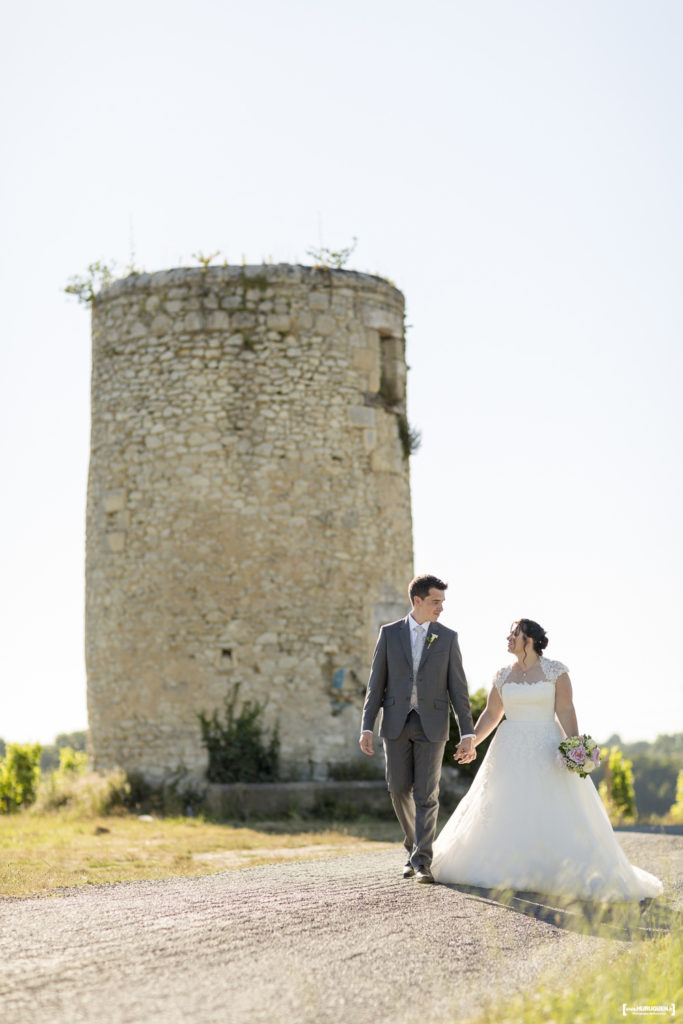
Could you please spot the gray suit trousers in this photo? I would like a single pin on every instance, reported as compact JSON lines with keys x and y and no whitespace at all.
{"x":413,"y":773}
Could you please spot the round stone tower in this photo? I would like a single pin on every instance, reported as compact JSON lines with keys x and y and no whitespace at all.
{"x":248,"y":506}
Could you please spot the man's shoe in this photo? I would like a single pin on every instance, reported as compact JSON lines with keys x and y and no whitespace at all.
{"x":408,"y":870}
{"x":425,"y":876}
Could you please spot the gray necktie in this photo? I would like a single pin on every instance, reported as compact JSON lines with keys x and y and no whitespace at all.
{"x":418,"y":644}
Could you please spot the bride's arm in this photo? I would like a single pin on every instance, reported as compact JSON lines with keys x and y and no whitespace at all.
{"x":564,"y":706}
{"x":490,"y":716}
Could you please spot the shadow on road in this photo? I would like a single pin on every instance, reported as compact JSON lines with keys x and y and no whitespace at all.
{"x":625,"y":921}
{"x":374,"y":828}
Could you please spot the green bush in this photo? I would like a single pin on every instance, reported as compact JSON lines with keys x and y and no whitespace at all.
{"x":19,"y":775}
{"x":617,"y":790}
{"x":238,"y":749}
{"x":355,"y":771}
{"x":49,"y":759}
{"x":655,"y":768}
{"x":83,"y":794}
{"x":676,"y":811}
{"x":71,"y":763}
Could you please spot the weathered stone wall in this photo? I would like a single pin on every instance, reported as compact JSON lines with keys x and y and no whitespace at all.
{"x":248,"y":506}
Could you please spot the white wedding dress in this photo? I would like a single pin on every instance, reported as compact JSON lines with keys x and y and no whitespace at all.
{"x":529,"y":824}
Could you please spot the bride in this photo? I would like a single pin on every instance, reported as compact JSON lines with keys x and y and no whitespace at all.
{"x":527,"y":822}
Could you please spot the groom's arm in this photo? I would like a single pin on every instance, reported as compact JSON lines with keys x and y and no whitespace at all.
{"x":458,"y":690}
{"x":376,"y":684}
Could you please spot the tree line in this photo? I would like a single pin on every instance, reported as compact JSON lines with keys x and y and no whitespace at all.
{"x":655,"y":768}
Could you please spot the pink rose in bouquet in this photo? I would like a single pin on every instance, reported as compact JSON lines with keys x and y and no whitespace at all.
{"x":578,"y":754}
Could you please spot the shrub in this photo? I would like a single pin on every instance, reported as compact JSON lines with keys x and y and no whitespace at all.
{"x":85,"y":287}
{"x":71,"y":763}
{"x":238,"y":750}
{"x":183,"y":792}
{"x":83,"y":794}
{"x":409,"y":436}
{"x":355,"y":771}
{"x":327,"y":259}
{"x":676,"y":812}
{"x":331,"y":808}
{"x":617,"y":791}
{"x":19,"y":775}
{"x":49,"y":759}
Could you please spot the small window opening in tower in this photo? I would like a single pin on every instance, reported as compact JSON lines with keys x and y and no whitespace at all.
{"x":392,"y":376}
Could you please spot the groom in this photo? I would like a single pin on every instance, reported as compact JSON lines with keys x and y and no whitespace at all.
{"x":415,"y":669}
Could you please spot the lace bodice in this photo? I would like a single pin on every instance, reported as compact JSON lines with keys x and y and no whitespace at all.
{"x":532,"y":699}
{"x":543,"y":671}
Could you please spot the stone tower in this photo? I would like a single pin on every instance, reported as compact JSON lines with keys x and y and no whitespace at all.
{"x":248,"y":510}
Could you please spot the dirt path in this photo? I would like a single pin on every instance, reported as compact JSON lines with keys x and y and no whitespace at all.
{"x":330,"y":940}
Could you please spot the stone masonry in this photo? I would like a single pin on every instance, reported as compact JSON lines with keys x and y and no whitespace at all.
{"x":248,"y":507}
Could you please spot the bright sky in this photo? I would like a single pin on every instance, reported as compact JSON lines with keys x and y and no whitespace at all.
{"x":515,"y":168}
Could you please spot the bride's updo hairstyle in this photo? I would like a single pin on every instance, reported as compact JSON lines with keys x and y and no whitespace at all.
{"x":535,"y":633}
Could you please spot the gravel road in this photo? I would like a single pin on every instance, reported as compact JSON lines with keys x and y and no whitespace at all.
{"x":343,"y":938}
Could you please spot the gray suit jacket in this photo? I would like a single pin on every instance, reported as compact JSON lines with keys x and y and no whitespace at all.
{"x":440,"y":676}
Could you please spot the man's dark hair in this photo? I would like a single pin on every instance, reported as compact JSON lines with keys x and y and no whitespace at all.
{"x":421,"y":585}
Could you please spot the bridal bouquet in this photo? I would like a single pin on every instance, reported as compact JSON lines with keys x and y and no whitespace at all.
{"x":580,"y":754}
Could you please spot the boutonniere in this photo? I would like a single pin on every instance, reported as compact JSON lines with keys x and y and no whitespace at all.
{"x":431,"y":638}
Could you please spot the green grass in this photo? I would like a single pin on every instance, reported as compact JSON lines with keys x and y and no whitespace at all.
{"x":647,"y":973}
{"x":40,"y":853}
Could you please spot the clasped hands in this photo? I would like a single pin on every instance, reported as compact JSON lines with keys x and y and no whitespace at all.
{"x":465,"y":751}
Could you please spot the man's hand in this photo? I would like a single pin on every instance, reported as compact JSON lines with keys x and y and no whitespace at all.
{"x":366,"y":743}
{"x":465,"y":751}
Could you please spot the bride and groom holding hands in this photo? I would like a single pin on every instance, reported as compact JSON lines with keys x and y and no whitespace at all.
{"x":527,"y":822}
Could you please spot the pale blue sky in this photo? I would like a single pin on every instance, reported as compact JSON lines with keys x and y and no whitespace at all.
{"x":515,"y":168}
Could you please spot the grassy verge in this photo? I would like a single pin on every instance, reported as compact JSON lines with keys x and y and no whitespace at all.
{"x":648,"y":973}
{"x":42,"y":853}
